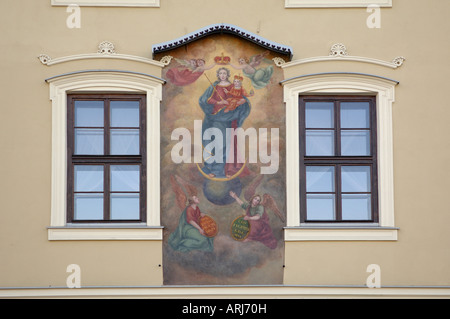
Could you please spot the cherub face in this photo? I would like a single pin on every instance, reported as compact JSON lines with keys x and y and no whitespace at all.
{"x":200,"y":62}
{"x":242,"y":61}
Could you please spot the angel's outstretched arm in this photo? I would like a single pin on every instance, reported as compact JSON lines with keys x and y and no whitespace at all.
{"x":239,"y":67}
{"x":236,"y":198}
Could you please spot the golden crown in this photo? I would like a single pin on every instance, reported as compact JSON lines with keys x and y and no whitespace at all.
{"x":222,"y":59}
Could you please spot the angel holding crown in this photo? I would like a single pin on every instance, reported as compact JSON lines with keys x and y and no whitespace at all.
{"x":260,"y":76}
{"x":188,"y":71}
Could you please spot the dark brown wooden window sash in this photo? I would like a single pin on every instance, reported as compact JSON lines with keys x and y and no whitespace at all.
{"x":337,"y":161}
{"x":106,"y":160}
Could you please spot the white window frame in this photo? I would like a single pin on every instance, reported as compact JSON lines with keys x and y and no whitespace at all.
{"x":107,"y":3}
{"x":341,"y":83}
{"x":336,"y":3}
{"x":104,"y":82}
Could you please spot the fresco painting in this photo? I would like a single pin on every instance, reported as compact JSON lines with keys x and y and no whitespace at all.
{"x":223,"y":216}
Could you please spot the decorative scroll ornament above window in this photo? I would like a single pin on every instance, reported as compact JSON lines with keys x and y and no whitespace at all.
{"x":338,"y":52}
{"x":106,"y":50}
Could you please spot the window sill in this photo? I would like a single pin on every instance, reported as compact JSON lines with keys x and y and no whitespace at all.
{"x":105,"y":232}
{"x":336,"y":3}
{"x":107,"y":3}
{"x":340,"y":233}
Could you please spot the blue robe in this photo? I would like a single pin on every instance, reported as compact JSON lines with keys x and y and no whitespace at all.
{"x":221,"y":121}
{"x":186,"y":237}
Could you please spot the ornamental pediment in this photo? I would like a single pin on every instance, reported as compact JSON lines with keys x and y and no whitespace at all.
{"x":222,"y":28}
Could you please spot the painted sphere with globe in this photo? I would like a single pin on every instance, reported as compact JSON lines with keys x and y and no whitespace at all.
{"x":218,"y":192}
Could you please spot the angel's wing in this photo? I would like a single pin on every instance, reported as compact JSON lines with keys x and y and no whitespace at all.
{"x":270,"y":203}
{"x":250,"y":191}
{"x":256,"y":59}
{"x":185,"y":63}
{"x":180,"y":196}
{"x":191,"y":190}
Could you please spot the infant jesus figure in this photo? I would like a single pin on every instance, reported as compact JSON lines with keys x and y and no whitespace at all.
{"x":235,"y":96}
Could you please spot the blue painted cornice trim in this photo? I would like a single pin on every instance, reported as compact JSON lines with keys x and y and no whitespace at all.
{"x":222,"y":28}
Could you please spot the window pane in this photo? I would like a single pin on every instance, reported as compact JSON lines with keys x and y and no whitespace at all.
{"x":125,"y":178}
{"x":356,"y":207}
{"x":124,"y":206}
{"x":89,"y":113}
{"x":88,"y":207}
{"x":88,"y":178}
{"x":124,"y":113}
{"x":320,"y":179}
{"x":88,"y":141}
{"x":355,"y":143}
{"x":319,"y":143}
{"x":319,"y":115}
{"x":355,"y":115}
{"x":125,"y":142}
{"x":320,"y":206}
{"x":355,"y":178}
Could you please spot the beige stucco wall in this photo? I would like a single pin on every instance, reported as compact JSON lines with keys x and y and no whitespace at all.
{"x":412,"y":28}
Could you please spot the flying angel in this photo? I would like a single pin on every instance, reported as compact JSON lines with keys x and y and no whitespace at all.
{"x":187,"y":72}
{"x":259,"y":77}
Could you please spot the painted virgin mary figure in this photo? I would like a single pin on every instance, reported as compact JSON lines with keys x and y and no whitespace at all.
{"x":214,"y":102}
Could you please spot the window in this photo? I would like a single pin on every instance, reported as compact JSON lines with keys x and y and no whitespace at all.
{"x":106,"y":158}
{"x":336,"y":84}
{"x":112,"y":82}
{"x":338,"y":159}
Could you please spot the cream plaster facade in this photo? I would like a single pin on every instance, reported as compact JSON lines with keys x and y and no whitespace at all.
{"x":404,"y":62}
